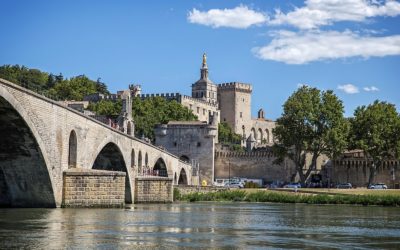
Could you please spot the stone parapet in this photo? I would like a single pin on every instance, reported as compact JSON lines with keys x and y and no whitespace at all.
{"x":153,"y":189}
{"x":93,"y":188}
{"x":244,"y":87}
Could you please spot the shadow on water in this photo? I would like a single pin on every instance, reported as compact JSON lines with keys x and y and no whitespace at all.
{"x":202,"y":225}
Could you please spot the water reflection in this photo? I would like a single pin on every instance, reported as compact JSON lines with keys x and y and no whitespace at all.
{"x":202,"y":225}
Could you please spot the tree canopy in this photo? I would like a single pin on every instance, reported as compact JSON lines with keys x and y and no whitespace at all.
{"x":312,"y":123}
{"x":156,"y":110}
{"x":53,"y":86}
{"x":376,"y":130}
{"x":228,"y":137}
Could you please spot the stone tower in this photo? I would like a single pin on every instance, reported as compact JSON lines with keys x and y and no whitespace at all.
{"x":235,"y":104}
{"x":204,"y":88}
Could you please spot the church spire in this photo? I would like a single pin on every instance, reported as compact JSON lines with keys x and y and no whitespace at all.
{"x":204,"y":60}
{"x":204,"y":69}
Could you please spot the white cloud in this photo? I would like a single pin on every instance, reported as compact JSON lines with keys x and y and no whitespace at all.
{"x":240,"y":17}
{"x":304,"y":47}
{"x":348,"y":88}
{"x":371,"y":89}
{"x":317,"y":13}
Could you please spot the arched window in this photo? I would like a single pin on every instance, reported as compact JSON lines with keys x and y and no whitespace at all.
{"x":146,"y":160}
{"x":133,"y":158}
{"x":267,"y":136}
{"x":72,"y":150}
{"x":140,"y":160}
{"x":129,"y":128}
{"x":261,"y":136}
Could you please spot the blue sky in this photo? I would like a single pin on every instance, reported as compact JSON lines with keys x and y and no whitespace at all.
{"x":351,"y":47}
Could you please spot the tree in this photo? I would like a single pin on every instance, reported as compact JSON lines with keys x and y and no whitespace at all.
{"x":151,"y":111}
{"x":312,"y":123}
{"x":106,"y":107}
{"x":226,"y":134}
{"x":376,"y":130}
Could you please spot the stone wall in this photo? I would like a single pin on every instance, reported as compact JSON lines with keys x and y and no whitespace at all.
{"x":93,"y":188}
{"x":191,"y":141}
{"x":202,"y":109}
{"x":356,"y":171}
{"x":153,"y":189}
{"x":255,"y":165}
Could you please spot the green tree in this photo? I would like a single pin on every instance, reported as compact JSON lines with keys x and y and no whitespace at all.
{"x":106,"y":107}
{"x":312,"y":123}
{"x":226,"y":134}
{"x":376,"y":130}
{"x":151,"y":111}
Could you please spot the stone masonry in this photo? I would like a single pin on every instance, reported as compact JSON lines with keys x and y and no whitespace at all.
{"x":93,"y":188}
{"x":153,"y":189}
{"x":40,"y":139}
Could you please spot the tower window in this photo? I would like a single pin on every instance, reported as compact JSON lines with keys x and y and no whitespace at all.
{"x":204,"y":111}
{"x":240,"y":114}
{"x":243,"y":99}
{"x":198,"y":144}
{"x":198,"y":110}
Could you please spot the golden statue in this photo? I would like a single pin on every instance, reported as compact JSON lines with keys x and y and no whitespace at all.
{"x":204,"y":59}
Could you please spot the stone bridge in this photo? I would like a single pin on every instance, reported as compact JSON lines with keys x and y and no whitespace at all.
{"x":40,"y":139}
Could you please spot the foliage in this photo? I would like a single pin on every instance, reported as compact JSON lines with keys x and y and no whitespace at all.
{"x":54,"y":86}
{"x":177,"y":194}
{"x":376,"y":130}
{"x":283,"y":197}
{"x":106,"y":107}
{"x":229,"y":138}
{"x":156,"y":110}
{"x":312,"y":122}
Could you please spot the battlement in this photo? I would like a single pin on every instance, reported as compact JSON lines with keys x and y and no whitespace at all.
{"x":168,"y":96}
{"x":236,"y":86}
{"x":233,"y":154}
{"x":200,"y":101}
{"x":357,"y":162}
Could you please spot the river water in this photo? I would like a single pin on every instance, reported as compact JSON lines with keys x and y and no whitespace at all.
{"x":203,"y":225}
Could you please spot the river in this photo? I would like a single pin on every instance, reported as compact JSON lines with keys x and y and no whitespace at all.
{"x":203,"y":225}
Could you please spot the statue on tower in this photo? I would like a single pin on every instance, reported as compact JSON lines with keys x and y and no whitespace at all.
{"x":204,"y":59}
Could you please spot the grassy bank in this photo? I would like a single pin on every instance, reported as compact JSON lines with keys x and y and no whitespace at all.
{"x":285,"y":197}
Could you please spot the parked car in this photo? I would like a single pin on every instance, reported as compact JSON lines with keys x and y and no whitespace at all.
{"x":235,"y":185}
{"x":292,"y":185}
{"x":344,"y":186}
{"x":378,"y":186}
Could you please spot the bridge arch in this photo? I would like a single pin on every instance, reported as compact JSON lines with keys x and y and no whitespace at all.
{"x":253,"y":131}
{"x":182,"y":177}
{"x":161,"y":167}
{"x":111,"y":158}
{"x":72,"y":150}
{"x":184,"y":158}
{"x":25,"y":171}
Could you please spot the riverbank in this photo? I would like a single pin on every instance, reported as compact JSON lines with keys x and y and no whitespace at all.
{"x":291,"y":197}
